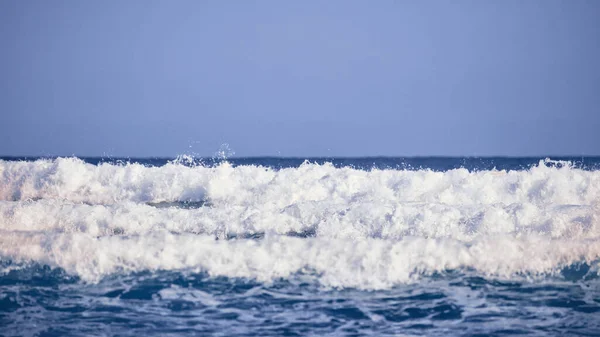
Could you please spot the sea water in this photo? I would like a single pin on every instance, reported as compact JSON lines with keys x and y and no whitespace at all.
{"x":300,"y":247}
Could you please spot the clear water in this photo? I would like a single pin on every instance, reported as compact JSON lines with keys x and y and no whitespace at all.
{"x":288,"y":246}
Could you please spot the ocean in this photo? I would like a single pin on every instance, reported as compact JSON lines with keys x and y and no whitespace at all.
{"x":300,"y":247}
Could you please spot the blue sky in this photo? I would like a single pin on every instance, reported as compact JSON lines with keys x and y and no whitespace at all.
{"x":300,"y":78}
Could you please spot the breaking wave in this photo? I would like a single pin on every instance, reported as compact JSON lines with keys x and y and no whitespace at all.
{"x":340,"y":226}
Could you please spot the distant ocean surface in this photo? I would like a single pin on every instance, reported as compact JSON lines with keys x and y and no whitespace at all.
{"x":300,"y":247}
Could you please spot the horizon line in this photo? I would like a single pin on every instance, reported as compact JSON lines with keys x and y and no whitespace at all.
{"x":301,"y":157}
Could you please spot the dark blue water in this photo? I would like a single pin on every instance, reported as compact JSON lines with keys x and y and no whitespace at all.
{"x":49,"y":303}
{"x":364,"y":163}
{"x":295,"y":247}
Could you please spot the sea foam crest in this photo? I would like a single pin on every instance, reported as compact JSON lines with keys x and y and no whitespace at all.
{"x":361,"y":263}
{"x":341,"y":226}
{"x":73,"y":180}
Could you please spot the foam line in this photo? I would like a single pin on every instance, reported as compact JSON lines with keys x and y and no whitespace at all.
{"x":360,"y":263}
{"x":73,"y":180}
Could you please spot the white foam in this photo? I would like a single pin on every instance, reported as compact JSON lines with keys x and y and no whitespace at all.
{"x":387,"y":220}
{"x":368,"y":229}
{"x":362,"y":263}
{"x":176,"y":292}
{"x":73,"y":180}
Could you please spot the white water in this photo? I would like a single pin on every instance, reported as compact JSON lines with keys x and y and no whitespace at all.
{"x":368,"y":229}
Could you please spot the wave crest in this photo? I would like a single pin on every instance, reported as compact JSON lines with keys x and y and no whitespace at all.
{"x":344,"y":227}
